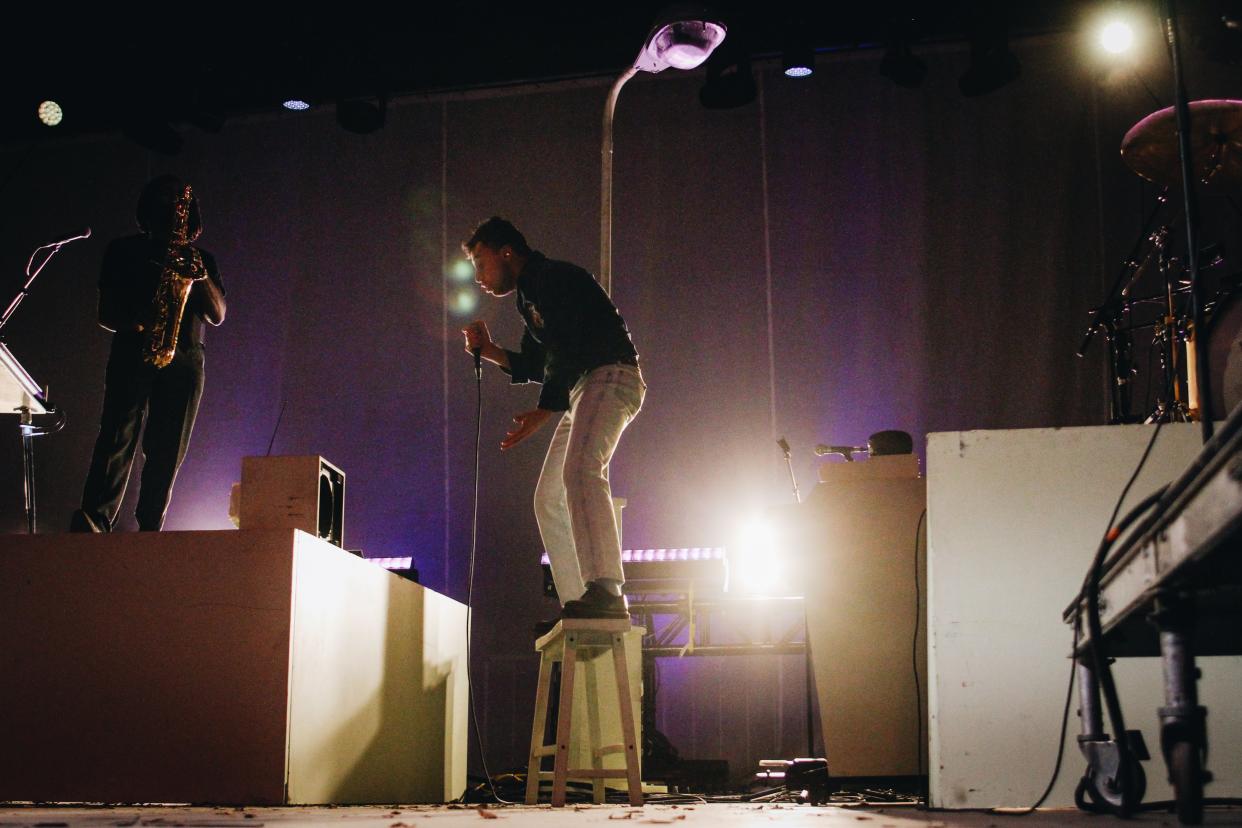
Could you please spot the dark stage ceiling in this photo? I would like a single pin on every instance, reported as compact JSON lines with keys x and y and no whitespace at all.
{"x":110,"y":68}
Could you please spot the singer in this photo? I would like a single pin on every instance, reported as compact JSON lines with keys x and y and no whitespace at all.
{"x":134,"y":389}
{"x":577,"y":345}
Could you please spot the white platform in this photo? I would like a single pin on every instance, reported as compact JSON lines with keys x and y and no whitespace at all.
{"x":1014,"y":519}
{"x":262,"y":667}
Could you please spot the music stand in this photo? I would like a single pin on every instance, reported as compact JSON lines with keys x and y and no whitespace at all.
{"x":20,"y":393}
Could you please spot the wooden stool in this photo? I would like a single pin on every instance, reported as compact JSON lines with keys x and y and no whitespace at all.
{"x":570,"y":641}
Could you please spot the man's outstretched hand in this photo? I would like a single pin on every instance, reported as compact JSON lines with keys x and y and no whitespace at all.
{"x":524,"y":425}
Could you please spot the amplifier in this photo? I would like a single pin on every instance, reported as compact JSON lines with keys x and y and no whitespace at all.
{"x":306,"y":493}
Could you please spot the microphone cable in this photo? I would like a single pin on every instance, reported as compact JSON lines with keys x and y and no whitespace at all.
{"x":474,"y":542}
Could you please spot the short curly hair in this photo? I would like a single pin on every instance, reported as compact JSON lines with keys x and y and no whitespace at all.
{"x":496,"y":233}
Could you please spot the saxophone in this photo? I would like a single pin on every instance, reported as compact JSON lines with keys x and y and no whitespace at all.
{"x":183,"y":266}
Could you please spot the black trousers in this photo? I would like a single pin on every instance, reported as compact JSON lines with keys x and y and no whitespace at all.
{"x":167,"y":399}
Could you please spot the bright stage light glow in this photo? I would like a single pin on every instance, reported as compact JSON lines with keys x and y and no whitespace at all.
{"x":756,"y":565}
{"x":464,"y":301}
{"x":50,"y":113}
{"x":296,"y":104}
{"x":461,"y":271}
{"x":1117,"y":37}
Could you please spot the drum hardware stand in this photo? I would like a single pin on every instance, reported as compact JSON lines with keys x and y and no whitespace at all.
{"x":1110,"y":317}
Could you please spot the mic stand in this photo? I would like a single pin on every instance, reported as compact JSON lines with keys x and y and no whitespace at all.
{"x":793,"y":481}
{"x":806,"y":627}
{"x":1182,"y":107}
{"x":27,"y":427}
{"x":21,"y":294}
{"x":27,"y":387}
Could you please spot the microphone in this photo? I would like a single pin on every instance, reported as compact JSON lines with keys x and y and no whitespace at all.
{"x":478,"y":362}
{"x":846,"y":451}
{"x":84,"y":233}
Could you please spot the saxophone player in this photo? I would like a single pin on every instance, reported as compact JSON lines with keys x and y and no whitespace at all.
{"x":164,"y":392}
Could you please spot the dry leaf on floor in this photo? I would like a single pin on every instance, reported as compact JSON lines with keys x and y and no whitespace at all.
{"x":486,"y":814}
{"x":626,"y":815}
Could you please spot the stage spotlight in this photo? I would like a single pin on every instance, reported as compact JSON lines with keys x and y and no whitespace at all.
{"x":464,"y":301}
{"x":903,"y":67}
{"x":361,"y":117}
{"x":461,"y":271}
{"x":798,"y":54}
{"x":296,"y":104}
{"x":900,"y":64}
{"x":153,"y":132}
{"x":1117,"y":37}
{"x":50,"y":113}
{"x":992,"y":64}
{"x":799,"y":63}
{"x":756,"y":564}
{"x":730,"y":79}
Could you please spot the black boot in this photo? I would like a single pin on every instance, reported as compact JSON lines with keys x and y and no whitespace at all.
{"x":597,"y":602}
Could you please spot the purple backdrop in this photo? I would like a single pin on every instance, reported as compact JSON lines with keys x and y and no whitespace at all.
{"x":932,"y":261}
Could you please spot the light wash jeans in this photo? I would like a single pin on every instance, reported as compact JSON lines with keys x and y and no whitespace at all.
{"x":573,"y":501}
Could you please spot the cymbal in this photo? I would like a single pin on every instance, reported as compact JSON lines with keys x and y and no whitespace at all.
{"x":1150,"y":147}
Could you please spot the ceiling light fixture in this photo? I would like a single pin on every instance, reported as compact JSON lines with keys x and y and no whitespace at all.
{"x":360,"y":116}
{"x":50,"y":113}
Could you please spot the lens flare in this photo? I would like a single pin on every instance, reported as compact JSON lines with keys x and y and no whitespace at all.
{"x":465,"y":301}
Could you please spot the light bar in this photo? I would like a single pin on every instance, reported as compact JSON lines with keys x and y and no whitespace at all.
{"x":394,"y":563}
{"x":695,"y":553}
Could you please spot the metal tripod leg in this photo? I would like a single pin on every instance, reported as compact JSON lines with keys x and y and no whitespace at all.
{"x":26,"y":425}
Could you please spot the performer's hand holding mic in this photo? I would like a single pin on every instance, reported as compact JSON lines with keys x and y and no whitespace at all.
{"x":477,"y":338}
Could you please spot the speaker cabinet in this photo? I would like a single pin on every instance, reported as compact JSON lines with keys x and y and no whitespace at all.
{"x":306,"y":493}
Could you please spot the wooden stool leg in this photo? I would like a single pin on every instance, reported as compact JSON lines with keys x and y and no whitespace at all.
{"x":593,"y":725}
{"x":538,"y":728}
{"x":564,"y":721}
{"x":627,"y":720}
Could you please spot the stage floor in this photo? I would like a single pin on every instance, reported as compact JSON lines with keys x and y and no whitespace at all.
{"x":711,"y":814}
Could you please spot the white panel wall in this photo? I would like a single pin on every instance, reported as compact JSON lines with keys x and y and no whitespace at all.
{"x":1014,"y":518}
{"x":377,"y":689}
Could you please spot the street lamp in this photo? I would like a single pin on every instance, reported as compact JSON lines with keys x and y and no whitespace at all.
{"x":682,"y":38}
